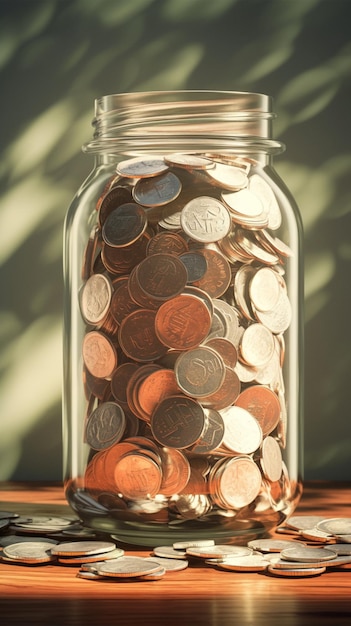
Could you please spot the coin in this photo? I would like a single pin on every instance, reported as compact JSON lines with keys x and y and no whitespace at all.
{"x":225,"y":348}
{"x":218,"y":551}
{"x":263,"y":190}
{"x":170,"y":564}
{"x":137,"y":476}
{"x":300,"y":573}
{"x":128,"y":566}
{"x":175,"y":471}
{"x":236,"y":482}
{"x":30,"y":552}
{"x":137,"y":336}
{"x":250,"y":563}
{"x":155,"y":387}
{"x":195,"y":263}
{"x":264,"y":289}
{"x":271,"y":460}
{"x":161,"y":276}
{"x":188,"y":161}
{"x":82,"y":548}
{"x":199,"y":371}
{"x":226,"y":394}
{"x":105,"y":425}
{"x":270,"y":545}
{"x":171,"y":243}
{"x":302,"y":522}
{"x":142,"y":166}
{"x":263,"y":404}
{"x":256,"y":345}
{"x":242,"y":432}
{"x":205,"y":219}
{"x":95,"y":298}
{"x":124,"y":225}
{"x":304,"y":554}
{"x":193,"y":543}
{"x":228,"y":176}
{"x":169,"y":552}
{"x":158,"y":190}
{"x":114,"y":197}
{"x":336,"y":526}
{"x":178,"y":422}
{"x":213,"y":434}
{"x":182,"y":322}
{"x":99,"y":354}
{"x":217,"y":277}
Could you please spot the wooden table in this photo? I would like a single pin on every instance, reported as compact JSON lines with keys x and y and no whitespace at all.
{"x":52,"y":594}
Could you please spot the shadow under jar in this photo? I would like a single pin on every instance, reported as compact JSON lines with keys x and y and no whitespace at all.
{"x":183,"y":329}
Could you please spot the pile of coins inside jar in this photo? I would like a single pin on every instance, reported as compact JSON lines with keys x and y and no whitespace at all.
{"x":185,"y":307}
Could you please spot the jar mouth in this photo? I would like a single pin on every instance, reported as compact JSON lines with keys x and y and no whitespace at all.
{"x":190,"y":118}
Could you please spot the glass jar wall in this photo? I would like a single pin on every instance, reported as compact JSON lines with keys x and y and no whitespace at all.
{"x":182,"y":399}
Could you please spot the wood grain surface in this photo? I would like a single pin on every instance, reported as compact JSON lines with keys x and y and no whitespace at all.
{"x":202,"y":595}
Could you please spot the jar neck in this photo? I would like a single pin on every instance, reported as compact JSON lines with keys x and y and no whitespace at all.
{"x":194,"y":121}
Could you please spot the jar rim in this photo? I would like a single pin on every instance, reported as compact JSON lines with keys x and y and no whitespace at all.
{"x":189,"y":118}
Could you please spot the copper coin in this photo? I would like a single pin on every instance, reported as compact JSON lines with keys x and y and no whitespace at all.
{"x":226,"y":349}
{"x":99,"y":354}
{"x":120,"y":379}
{"x":105,"y":426}
{"x":169,"y":242}
{"x":90,"y":252}
{"x":124,"y":225}
{"x":109,"y":460}
{"x":137,"y":336}
{"x":178,"y":422}
{"x":122,"y":303}
{"x":161,"y":276}
{"x":263,"y":404}
{"x":175,"y":471}
{"x":137,"y":475}
{"x":199,"y":372}
{"x":155,"y":387}
{"x":182,"y":322}
{"x":216,"y":279}
{"x":112,"y":199}
{"x":157,"y":191}
{"x":133,"y":385}
{"x":227,"y":394}
{"x":122,"y":260}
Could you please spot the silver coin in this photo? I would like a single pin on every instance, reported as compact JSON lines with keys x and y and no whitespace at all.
{"x":139,"y":167}
{"x":297,"y":572}
{"x":30,"y":552}
{"x":194,"y":543}
{"x":84,"y":558}
{"x":128,"y":566}
{"x":169,"y":552}
{"x":80,"y":548}
{"x":157,"y":191}
{"x":304,"y":554}
{"x":303,"y":522}
{"x":336,"y":526}
{"x":250,"y":563}
{"x":170,"y":565}
{"x":95,"y":298}
{"x":205,"y":219}
{"x":219,"y":551}
{"x":270,"y":545}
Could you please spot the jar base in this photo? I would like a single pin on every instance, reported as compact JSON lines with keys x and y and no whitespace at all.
{"x":160,"y":527}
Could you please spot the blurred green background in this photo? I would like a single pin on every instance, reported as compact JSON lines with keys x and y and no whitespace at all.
{"x":56,"y":56}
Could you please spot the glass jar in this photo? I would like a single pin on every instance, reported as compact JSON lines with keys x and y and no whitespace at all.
{"x":182,"y":400}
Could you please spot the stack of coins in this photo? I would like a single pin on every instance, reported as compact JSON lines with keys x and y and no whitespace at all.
{"x":185,"y":307}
